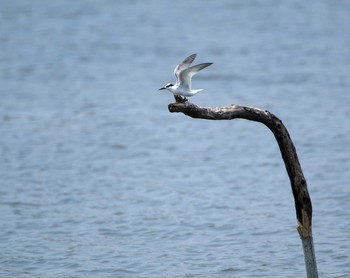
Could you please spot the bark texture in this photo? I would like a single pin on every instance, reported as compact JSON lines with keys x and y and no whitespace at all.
{"x":303,"y":206}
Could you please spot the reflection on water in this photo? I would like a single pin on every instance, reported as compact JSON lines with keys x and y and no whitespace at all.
{"x":99,"y":179}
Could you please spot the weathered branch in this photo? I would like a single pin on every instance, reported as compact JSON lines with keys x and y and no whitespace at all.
{"x":302,"y":199}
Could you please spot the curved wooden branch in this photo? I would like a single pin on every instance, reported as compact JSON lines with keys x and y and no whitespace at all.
{"x":302,"y":199}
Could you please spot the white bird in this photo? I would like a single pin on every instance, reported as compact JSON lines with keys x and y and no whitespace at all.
{"x":183,"y":74}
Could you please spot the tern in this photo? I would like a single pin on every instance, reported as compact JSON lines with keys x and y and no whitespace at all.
{"x":183,"y":74}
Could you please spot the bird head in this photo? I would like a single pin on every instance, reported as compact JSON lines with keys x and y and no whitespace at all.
{"x":169,"y":85}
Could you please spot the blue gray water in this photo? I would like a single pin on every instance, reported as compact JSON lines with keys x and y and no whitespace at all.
{"x":98,"y":179}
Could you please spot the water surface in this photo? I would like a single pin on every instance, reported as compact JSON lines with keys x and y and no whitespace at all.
{"x":98,"y":179}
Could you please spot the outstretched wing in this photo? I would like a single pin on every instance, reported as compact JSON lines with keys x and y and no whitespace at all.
{"x":183,"y":65}
{"x":186,"y":75}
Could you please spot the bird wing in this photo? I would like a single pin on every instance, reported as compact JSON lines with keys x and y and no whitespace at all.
{"x":183,"y":65}
{"x":186,"y":75}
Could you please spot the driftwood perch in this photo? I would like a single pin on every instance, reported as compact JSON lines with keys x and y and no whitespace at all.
{"x":302,"y":199}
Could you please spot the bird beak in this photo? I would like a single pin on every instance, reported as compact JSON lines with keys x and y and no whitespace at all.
{"x":163,"y":88}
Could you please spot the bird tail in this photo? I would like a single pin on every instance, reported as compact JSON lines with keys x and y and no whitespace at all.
{"x":196,"y":91}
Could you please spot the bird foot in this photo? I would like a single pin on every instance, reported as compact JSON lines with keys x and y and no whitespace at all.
{"x":180,"y":99}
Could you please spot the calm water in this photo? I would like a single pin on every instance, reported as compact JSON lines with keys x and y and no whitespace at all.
{"x":98,"y":179}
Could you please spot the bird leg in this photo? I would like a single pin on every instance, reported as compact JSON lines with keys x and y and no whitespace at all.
{"x":180,"y":99}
